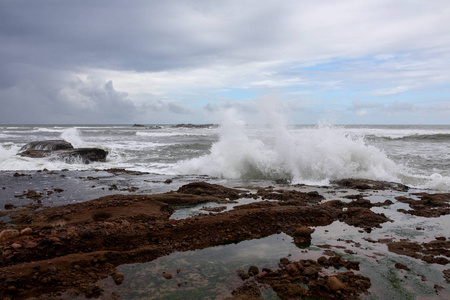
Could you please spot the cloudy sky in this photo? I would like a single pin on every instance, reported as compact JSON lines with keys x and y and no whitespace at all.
{"x":111,"y":61}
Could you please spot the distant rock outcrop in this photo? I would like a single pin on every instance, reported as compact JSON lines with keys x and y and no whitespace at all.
{"x":62,"y":150}
{"x":196,"y":126}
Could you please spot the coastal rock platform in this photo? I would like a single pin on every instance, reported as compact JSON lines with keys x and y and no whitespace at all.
{"x":49,"y":251}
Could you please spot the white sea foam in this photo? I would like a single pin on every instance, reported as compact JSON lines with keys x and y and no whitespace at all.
{"x":46,"y":129}
{"x":314,"y":155}
{"x":166,"y":134}
{"x":72,"y":135}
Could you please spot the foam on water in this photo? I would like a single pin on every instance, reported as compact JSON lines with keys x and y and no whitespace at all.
{"x":314,"y":155}
{"x":309,"y":155}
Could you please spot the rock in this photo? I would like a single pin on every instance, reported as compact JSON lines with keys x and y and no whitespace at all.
{"x":401,"y":266}
{"x":195,"y":125}
{"x":62,"y":150}
{"x":9,"y":206}
{"x":167,"y":181}
{"x":284,"y":261}
{"x":310,"y":272}
{"x":249,"y":290}
{"x":335,"y":284}
{"x":118,"y":278}
{"x":26,"y":231}
{"x":167,"y":275}
{"x":365,"y":184}
{"x":323,"y":261}
{"x":242,"y":274}
{"x":8,"y":234}
{"x":30,"y":245}
{"x":16,"y":245}
{"x":304,"y":232}
{"x":292,"y":269}
{"x":302,"y":236}
{"x":254,"y":270}
{"x":352,"y":265}
{"x":49,"y":145}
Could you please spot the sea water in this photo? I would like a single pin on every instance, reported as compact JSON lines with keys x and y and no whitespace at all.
{"x":415,"y":155}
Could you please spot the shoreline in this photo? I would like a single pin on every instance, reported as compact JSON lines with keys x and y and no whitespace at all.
{"x":71,"y":247}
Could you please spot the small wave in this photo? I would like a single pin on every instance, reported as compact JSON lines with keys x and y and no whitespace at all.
{"x":45,"y":129}
{"x":444,"y":137}
{"x":166,"y":134}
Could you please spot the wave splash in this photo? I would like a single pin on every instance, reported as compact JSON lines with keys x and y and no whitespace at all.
{"x":72,"y":135}
{"x":308,"y":155}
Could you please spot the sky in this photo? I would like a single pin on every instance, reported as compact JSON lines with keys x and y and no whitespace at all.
{"x":169,"y":62}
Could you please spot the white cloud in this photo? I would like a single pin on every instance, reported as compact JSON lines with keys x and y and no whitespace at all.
{"x":170,"y":54}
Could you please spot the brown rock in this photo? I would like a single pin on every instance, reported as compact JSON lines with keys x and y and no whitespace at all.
{"x":167,"y":275}
{"x":310,"y":272}
{"x":254,"y":270}
{"x":8,"y":234}
{"x":335,"y":284}
{"x":26,"y":231}
{"x":118,"y":278}
{"x":16,"y":245}
{"x":292,"y":269}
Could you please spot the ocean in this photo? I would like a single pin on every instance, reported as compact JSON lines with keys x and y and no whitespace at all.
{"x":415,"y":155}
{"x":237,"y":154}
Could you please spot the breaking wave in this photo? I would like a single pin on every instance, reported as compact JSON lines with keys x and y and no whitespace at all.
{"x":309,"y":155}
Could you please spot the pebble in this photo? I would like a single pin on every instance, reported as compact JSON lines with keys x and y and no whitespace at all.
{"x":26,"y":231}
{"x":16,"y":246}
{"x":167,"y":275}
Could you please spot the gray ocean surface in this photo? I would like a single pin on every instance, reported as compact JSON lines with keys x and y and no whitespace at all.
{"x":415,"y":155}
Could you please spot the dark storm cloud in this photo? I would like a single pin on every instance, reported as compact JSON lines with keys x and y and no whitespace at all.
{"x":184,"y":49}
{"x":78,"y":102}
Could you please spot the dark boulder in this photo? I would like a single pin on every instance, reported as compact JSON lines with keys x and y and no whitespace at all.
{"x":49,"y":145}
{"x":62,"y":150}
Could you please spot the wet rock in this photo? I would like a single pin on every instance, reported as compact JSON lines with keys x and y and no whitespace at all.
{"x":26,"y":231}
{"x":352,"y":265}
{"x":302,"y":236}
{"x":8,"y":206}
{"x":62,"y":150}
{"x":118,"y":278}
{"x":284,"y":261}
{"x":168,"y":181}
{"x":335,"y":284}
{"x":254,"y":270}
{"x":292,"y":269}
{"x":401,"y":266}
{"x":249,"y":290}
{"x":323,"y":261}
{"x":167,"y":275}
{"x":365,"y":184}
{"x":429,"y":205}
{"x":205,"y":189}
{"x":9,"y":234}
{"x":49,"y":145}
{"x":242,"y":274}
{"x":310,"y":272}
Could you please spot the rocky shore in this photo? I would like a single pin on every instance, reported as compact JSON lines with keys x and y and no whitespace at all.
{"x":51,"y":250}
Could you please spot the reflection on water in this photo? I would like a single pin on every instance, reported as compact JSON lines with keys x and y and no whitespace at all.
{"x":202,"y":274}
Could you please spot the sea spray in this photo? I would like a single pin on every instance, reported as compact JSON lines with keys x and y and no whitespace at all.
{"x":307,"y":155}
{"x":72,"y":135}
